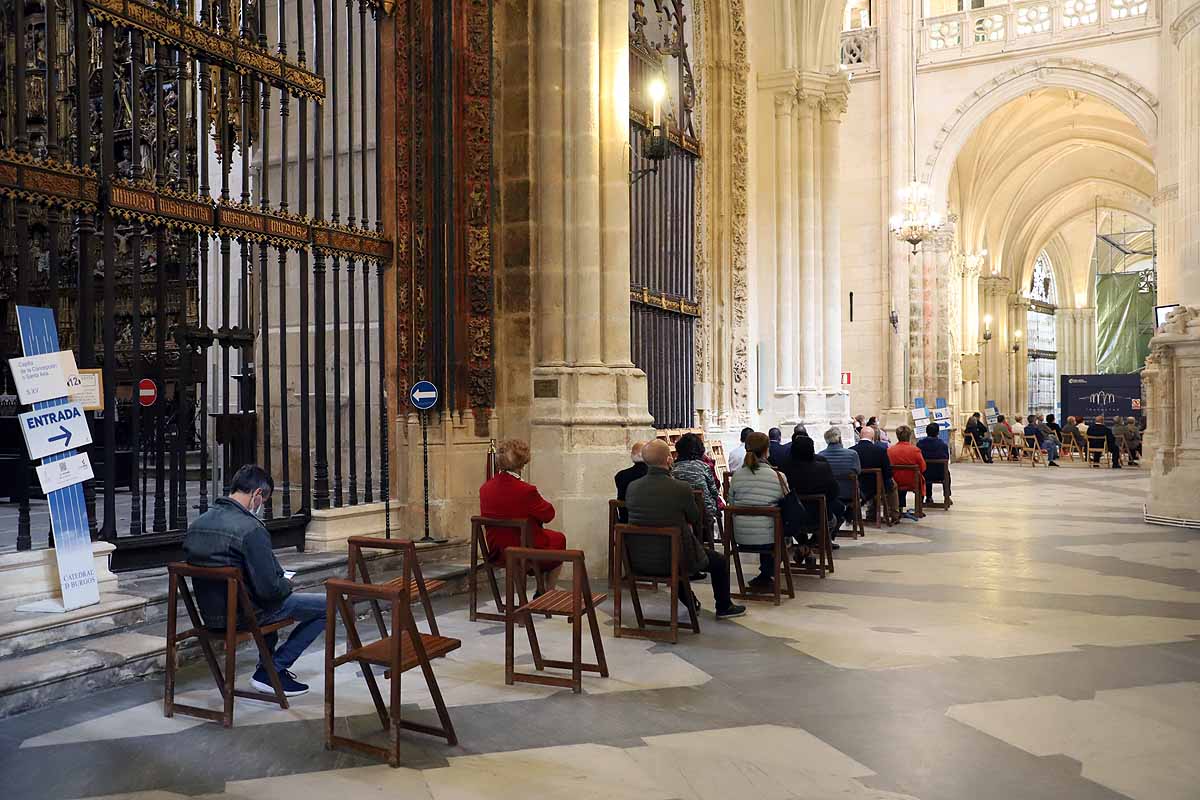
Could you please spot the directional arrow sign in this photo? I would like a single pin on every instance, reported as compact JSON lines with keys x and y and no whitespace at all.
{"x":53,"y":430}
{"x":423,"y":395}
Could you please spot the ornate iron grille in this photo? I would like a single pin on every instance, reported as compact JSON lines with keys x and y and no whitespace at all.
{"x":164,"y":187}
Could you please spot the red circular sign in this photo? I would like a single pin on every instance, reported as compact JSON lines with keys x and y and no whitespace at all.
{"x":147,"y":392}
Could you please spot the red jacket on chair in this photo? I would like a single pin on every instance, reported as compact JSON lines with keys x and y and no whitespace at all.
{"x":506,"y":497}
{"x":907,"y":453}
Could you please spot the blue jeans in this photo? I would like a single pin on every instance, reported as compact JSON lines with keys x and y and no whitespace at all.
{"x":1051,"y":448}
{"x":308,"y":609}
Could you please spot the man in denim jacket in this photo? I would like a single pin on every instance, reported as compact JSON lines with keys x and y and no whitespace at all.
{"x":231,"y":534}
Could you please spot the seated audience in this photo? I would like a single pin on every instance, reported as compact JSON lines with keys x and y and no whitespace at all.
{"x":845,"y":464}
{"x":808,"y":476}
{"x":1133,"y":440}
{"x":1054,"y":426}
{"x":871,"y":456}
{"x":932,"y":447}
{"x":1071,"y":434}
{"x":1098,"y":430}
{"x":231,"y":534}
{"x":905,"y":452}
{"x":779,"y":450}
{"x":1044,"y":437}
{"x":629,"y":475}
{"x":658,"y":500}
{"x":757,"y":484}
{"x":506,"y":496}
{"x":979,"y":432}
{"x":1002,"y":434}
{"x":859,"y":424}
{"x":691,"y":468}
{"x":738,"y":454}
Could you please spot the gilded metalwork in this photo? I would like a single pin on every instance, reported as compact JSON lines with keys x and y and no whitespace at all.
{"x":666,"y":302}
{"x":219,"y":48}
{"x":47,"y":183}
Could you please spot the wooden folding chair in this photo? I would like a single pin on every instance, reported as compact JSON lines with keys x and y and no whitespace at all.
{"x":614,"y":519}
{"x":971,"y":447}
{"x":944,"y":505}
{"x":403,"y":650}
{"x":824,"y":541}
{"x":418,"y":586}
{"x":1034,"y":449}
{"x":680,"y":590}
{"x":481,"y":556}
{"x":857,"y":527}
{"x":573,"y":604}
{"x":879,"y":488}
{"x":783,"y":565}
{"x":1001,"y":448}
{"x":241,"y":626}
{"x":1068,"y":447}
{"x":920,"y":491}
{"x":1099,"y":453}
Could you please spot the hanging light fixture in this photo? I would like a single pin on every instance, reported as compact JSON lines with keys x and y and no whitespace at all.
{"x":915,"y":222}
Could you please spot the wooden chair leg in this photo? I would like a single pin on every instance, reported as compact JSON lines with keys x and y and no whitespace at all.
{"x":354,"y":643}
{"x":230,"y":658}
{"x":597,"y":642}
{"x":172,"y":614}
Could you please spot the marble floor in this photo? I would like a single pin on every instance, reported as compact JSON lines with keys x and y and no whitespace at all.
{"x":1036,"y":641}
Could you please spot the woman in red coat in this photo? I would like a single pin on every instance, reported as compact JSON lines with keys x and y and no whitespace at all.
{"x":506,"y":496}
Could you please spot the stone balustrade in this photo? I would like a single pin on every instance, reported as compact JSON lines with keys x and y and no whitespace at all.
{"x":859,"y":50}
{"x":1028,"y":26}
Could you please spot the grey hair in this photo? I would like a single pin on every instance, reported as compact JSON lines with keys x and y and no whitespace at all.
{"x":833,"y":436}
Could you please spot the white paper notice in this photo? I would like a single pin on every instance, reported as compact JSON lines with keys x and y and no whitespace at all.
{"x":89,"y":393}
{"x":64,"y":472}
{"x":39,"y":378}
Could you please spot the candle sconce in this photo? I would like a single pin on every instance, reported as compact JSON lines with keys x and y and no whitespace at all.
{"x":654,"y":149}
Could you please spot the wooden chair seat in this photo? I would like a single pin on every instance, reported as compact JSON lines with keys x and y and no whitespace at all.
{"x":414,"y":591}
{"x":560,"y":602}
{"x":242,"y":635}
{"x":418,"y":587}
{"x":380,"y":652}
{"x":482,"y":558}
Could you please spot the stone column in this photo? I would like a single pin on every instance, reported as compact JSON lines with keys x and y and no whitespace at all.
{"x":1185,"y":35}
{"x":808,"y":301}
{"x":786,"y":265}
{"x":589,"y":402}
{"x":1171,"y":393}
{"x":832,"y":109}
{"x":996,"y":353}
{"x":1017,"y":318}
{"x":972,"y":331}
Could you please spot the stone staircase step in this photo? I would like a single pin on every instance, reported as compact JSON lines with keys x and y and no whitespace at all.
{"x":123,"y":639}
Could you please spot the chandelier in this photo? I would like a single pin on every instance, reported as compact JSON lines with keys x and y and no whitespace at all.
{"x":915,"y":223}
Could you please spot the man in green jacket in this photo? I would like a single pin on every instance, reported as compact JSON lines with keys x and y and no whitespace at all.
{"x":660,"y":501}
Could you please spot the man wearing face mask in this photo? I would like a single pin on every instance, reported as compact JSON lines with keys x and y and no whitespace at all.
{"x":231,"y":534}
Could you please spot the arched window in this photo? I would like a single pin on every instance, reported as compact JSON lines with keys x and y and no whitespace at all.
{"x":1042,"y":338}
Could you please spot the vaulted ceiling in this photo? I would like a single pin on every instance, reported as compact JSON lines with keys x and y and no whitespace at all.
{"x":1035,"y":174}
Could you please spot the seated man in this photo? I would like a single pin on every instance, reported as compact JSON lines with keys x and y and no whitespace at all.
{"x":1002,"y":435}
{"x":905,"y":452}
{"x":1071,"y":434}
{"x":1133,"y":440}
{"x":231,"y":534}
{"x":1098,"y":430}
{"x":932,"y":447}
{"x":506,"y":496}
{"x":629,"y":475}
{"x":979,"y":432}
{"x":872,"y":456}
{"x":657,"y":501}
{"x":1044,"y":437}
{"x":779,"y":450}
{"x":737,"y":456}
{"x":843,"y":462}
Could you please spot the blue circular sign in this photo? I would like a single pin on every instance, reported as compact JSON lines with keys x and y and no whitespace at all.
{"x":423,"y":395}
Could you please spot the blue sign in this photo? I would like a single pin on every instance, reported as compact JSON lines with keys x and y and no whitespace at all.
{"x":423,"y":395}
{"x":68,"y":514}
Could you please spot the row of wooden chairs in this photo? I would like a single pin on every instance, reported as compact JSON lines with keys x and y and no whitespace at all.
{"x":1022,"y":448}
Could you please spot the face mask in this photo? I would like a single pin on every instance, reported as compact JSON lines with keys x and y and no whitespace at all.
{"x":258,"y":512}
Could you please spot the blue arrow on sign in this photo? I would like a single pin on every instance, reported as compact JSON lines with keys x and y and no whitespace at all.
{"x":423,"y":395}
{"x":65,"y":435}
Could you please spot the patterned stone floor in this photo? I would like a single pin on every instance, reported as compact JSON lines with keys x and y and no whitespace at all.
{"x":1037,"y":641}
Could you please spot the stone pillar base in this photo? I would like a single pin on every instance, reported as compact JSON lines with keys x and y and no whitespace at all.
{"x":33,"y":574}
{"x":329,"y":528}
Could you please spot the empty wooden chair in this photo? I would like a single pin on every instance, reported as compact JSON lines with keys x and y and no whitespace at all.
{"x":573,"y":604}
{"x":241,"y":626}
{"x":628,"y":577}
{"x":945,"y":502}
{"x":404,"y":649}
{"x":779,"y":550}
{"x":418,"y":586}
{"x":483,"y":558}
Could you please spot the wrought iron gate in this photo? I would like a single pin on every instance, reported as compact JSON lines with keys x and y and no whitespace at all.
{"x":662,"y":210}
{"x":183,"y":184}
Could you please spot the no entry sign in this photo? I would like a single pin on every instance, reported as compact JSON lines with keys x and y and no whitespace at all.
{"x":147,"y":392}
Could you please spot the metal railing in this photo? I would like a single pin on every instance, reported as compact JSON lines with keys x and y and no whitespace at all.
{"x":1027,"y":25}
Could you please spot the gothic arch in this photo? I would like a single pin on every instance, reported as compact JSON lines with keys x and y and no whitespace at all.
{"x":1122,"y":92}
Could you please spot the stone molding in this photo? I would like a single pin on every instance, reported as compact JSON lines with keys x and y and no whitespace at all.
{"x":1112,"y":85}
{"x":33,"y":574}
{"x":1185,"y":23}
{"x":1171,"y":398}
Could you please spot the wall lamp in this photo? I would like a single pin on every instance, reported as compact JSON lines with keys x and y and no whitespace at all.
{"x":654,"y":149}
{"x":894,"y":318}
{"x":987,"y":328}
{"x":1016,"y":348}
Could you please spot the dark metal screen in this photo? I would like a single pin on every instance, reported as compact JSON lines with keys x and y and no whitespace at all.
{"x":165,"y":187}
{"x":662,"y":214}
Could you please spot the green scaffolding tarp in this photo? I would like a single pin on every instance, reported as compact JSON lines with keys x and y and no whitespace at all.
{"x":1124,"y":323}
